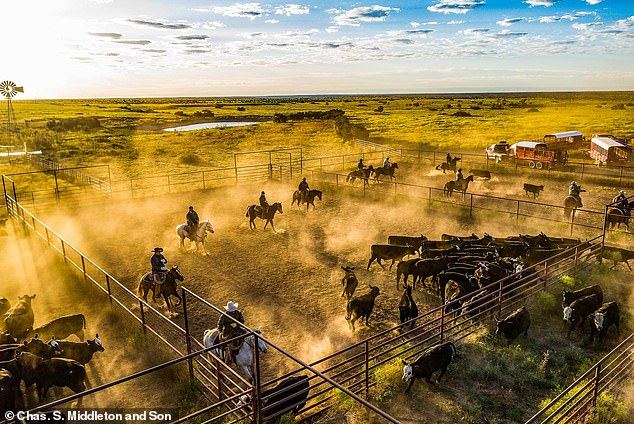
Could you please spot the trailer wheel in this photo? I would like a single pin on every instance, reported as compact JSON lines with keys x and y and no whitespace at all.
{"x":539,"y":165}
{"x":531,"y":165}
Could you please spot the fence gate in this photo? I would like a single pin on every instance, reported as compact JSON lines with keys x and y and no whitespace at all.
{"x":284,"y":163}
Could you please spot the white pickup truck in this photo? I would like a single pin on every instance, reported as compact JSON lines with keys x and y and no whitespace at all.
{"x":499,"y":151}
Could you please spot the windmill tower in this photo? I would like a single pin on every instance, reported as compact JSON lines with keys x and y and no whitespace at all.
{"x":8,"y":89}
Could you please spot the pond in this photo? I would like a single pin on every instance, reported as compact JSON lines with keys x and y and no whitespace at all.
{"x":210,"y":125}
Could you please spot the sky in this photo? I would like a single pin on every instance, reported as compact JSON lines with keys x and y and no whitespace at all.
{"x":174,"y":48}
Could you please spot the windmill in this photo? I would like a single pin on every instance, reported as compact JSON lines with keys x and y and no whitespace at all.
{"x":8,"y":89}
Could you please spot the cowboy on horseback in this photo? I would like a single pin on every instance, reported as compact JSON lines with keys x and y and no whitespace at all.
{"x":386,"y":162}
{"x":228,"y":328}
{"x":459,"y":177}
{"x":303,"y":190}
{"x":159,"y":270}
{"x":192,"y":222}
{"x":621,"y":202}
{"x":448,"y":159}
{"x":574,"y":191}
{"x":264,"y":204}
{"x":360,"y":165}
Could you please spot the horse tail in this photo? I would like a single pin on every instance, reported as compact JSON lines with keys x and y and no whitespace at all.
{"x":348,"y":312}
{"x":438,"y":167}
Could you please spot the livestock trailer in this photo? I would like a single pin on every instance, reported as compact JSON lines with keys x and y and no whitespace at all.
{"x":564,"y":138}
{"x":607,"y":151}
{"x":538,"y":155}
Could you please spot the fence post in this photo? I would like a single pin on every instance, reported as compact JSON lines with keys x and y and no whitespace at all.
{"x":48,"y":240}
{"x":470,"y":205}
{"x":56,"y":186}
{"x":595,"y":390}
{"x":572,"y":220}
{"x":83,"y":266}
{"x":142,"y":315}
{"x":63,"y":250}
{"x":500,"y":296}
{"x":429,"y":198}
{"x":366,"y":360}
{"x":256,"y":380}
{"x":517,"y":212}
{"x":235,"y":166}
{"x":442,"y":324}
{"x":583,"y":168}
{"x":108,"y":287}
{"x":337,"y":180}
{"x":545,"y":274}
{"x":188,"y":341}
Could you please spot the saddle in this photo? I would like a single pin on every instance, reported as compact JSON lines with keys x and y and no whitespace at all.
{"x":231,"y":350}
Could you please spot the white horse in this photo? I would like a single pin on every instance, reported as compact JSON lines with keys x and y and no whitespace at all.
{"x":245,"y":359}
{"x":198,"y":238}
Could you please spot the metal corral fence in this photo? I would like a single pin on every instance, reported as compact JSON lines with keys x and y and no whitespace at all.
{"x":580,"y":218}
{"x":580,"y":398}
{"x":74,"y":174}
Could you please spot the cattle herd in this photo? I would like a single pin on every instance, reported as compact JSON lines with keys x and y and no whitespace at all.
{"x":40,"y":356}
{"x":464,"y":273}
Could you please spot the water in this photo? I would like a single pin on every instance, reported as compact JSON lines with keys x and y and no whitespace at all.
{"x":210,"y":125}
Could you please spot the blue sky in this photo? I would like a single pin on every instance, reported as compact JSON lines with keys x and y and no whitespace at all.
{"x":138,"y":48}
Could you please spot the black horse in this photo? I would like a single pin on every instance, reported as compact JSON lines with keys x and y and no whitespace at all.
{"x":620,"y":215}
{"x":362,"y":174}
{"x":389,"y":171}
{"x":448,"y":166}
{"x":168,"y":288}
{"x":254,"y":211}
{"x":310,"y":200}
{"x":455,"y":185}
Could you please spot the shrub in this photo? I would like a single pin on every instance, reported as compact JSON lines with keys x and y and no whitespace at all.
{"x":190,"y":159}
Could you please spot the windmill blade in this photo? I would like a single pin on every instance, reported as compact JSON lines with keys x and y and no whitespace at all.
{"x":19,"y":89}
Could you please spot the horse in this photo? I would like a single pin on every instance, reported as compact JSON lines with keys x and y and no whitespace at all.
{"x":245,"y":358}
{"x":618,"y":216}
{"x":168,"y":288}
{"x":297,"y":196}
{"x":198,"y":238}
{"x":570,"y":203}
{"x":454,"y":185}
{"x":448,"y":166}
{"x":254,"y":211}
{"x":363,"y":174}
{"x":382,"y":170}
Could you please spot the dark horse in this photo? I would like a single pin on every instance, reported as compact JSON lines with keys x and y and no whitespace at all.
{"x":297,"y":196}
{"x":362,"y":174}
{"x":618,"y":216}
{"x":454,"y":185}
{"x":448,"y":166}
{"x":385,"y":171}
{"x":254,"y":211}
{"x":168,"y":288}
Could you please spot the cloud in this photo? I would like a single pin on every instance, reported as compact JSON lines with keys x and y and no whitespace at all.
{"x":594,"y":1}
{"x":241,"y":10}
{"x":136,"y":42}
{"x":291,"y":9}
{"x":415,"y":24}
{"x":551,"y":19}
{"x":474,"y":31}
{"x":583,"y":27}
{"x":153,"y":50}
{"x":508,"y":34}
{"x":509,"y":21}
{"x":272,"y":21}
{"x":332,"y":29}
{"x":455,"y":6}
{"x":156,"y":24}
{"x":113,"y":35}
{"x":545,"y":3}
{"x":455,"y":22}
{"x":404,"y":33}
{"x":192,"y":37}
{"x":354,"y":17}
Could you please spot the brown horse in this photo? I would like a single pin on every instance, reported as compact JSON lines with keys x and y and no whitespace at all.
{"x":454,"y":185}
{"x":254,"y":211}
{"x":168,"y":288}
{"x":310,"y":200}
{"x":570,"y":203}
{"x":448,"y":166}
{"x":389,"y":171}
{"x":362,"y":174}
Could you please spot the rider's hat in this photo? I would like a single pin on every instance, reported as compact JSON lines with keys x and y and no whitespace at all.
{"x":623,"y":192}
{"x":262,"y":193}
{"x":231,"y":306}
{"x":574,"y":182}
{"x":459,"y":169}
{"x":191,"y":207}
{"x":158,"y":249}
{"x":304,"y":179}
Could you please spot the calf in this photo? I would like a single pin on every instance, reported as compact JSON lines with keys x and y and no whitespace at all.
{"x":415,"y":242}
{"x":570,"y":296}
{"x":405,"y":268}
{"x":80,"y":352}
{"x":513,"y":325}
{"x":481,"y":173}
{"x":19,"y":319}
{"x":349,"y":282}
{"x":580,"y":309}
{"x":603,"y":318}
{"x":361,"y":306}
{"x":535,"y":189}
{"x":407,"y":308}
{"x":288,"y":396}
{"x":61,"y":328}
{"x":46,"y":373}
{"x":429,"y":268}
{"x":387,"y":251}
{"x":436,"y":358}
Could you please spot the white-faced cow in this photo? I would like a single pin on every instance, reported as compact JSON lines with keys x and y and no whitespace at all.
{"x":513,"y":325}
{"x":436,"y":358}
{"x":19,"y":319}
{"x":46,"y":373}
{"x":580,"y":309}
{"x":80,"y":352}
{"x":570,"y":296}
{"x":604,"y":317}
{"x":360,"y":307}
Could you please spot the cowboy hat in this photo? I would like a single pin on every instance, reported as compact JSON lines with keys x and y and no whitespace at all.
{"x":231,"y":306}
{"x":158,"y":249}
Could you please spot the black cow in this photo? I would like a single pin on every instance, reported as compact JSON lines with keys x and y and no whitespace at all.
{"x":437,"y":357}
{"x":361,"y":306}
{"x":349,"y":282}
{"x":7,"y":392}
{"x":475,"y":307}
{"x":288,"y":396}
{"x":432,"y":253}
{"x":607,"y":315}
{"x":535,"y":189}
{"x":481,"y":173}
{"x":6,"y":338}
{"x":415,"y":242}
{"x":466,"y":282}
{"x":407,"y":308}
{"x":46,"y":373}
{"x":39,"y":348}
{"x":447,"y":237}
{"x":570,"y":296}
{"x":513,"y":325}
{"x":429,"y":268}
{"x":580,"y":309}
{"x":405,"y":268}
{"x":80,"y":352}
{"x":62,"y":327}
{"x":388,"y":251}
{"x":618,"y":254}
{"x":8,"y":351}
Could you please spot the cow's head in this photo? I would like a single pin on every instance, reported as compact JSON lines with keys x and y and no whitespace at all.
{"x":245,"y":400}
{"x":598,"y":319}
{"x":567,"y":313}
{"x":374,"y":290}
{"x":95,"y":344}
{"x":42,"y":349}
{"x":408,"y":371}
{"x":502,"y":326}
{"x":26,"y":298}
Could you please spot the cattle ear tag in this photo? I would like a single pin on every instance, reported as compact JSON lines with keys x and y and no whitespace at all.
{"x":97,"y":342}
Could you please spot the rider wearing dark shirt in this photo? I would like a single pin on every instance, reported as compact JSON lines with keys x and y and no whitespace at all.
{"x":158,"y":261}
{"x":303,"y":190}
{"x":360,"y":165}
{"x":264,"y":204}
{"x":192,"y":221}
{"x":227,"y":327}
